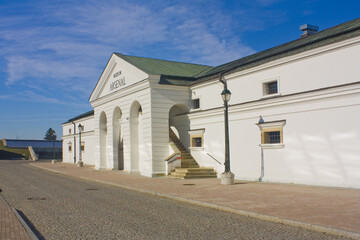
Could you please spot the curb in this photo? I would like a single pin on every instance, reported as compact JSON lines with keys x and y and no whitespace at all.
{"x":28,"y":230}
{"x":264,"y":217}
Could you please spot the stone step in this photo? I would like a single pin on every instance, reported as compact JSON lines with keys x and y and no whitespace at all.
{"x":189,"y":166}
{"x":188,"y":176}
{"x":187,"y":160}
{"x":199,"y":176}
{"x":193,"y":172}
{"x":188,"y":170}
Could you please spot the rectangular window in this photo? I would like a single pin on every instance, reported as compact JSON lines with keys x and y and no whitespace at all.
{"x":270,"y":88}
{"x":69,"y":130}
{"x":70,"y":148}
{"x":82,"y":146}
{"x":272,"y":137}
{"x":196,"y":142}
{"x":271,"y":133}
{"x":197,"y":138}
{"x":196,"y":103}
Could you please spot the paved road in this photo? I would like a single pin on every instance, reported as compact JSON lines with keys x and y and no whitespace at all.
{"x":61,"y":207}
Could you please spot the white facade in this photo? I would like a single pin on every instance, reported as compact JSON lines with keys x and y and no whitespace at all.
{"x":319,"y":97}
{"x":316,"y":110}
{"x":71,"y":140}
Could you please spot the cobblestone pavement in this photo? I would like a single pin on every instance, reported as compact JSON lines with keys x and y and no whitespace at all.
{"x":61,"y":207}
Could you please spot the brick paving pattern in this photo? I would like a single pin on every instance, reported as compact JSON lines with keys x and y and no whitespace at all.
{"x":10,"y":227}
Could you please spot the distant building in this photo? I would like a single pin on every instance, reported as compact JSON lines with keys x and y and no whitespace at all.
{"x":307,"y":93}
{"x":43,"y":149}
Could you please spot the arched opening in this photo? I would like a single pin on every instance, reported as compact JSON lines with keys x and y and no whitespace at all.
{"x":118,"y":144}
{"x":103,"y":134}
{"x":136,"y":136}
{"x":179,"y":123}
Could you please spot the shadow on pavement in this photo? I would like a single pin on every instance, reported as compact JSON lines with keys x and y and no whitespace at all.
{"x":31,"y":226}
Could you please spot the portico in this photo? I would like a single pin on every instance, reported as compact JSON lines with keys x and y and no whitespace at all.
{"x":134,"y":113}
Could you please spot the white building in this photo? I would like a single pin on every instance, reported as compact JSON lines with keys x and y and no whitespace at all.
{"x":307,"y":93}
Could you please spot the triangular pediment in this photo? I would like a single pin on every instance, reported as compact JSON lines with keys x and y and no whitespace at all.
{"x":117,"y":75}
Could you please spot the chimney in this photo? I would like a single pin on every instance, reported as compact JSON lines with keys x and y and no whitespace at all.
{"x":308,"y":30}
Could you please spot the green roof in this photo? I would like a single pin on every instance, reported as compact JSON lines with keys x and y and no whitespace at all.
{"x":328,"y":36}
{"x":163,"y":67}
{"x":185,"y":74}
{"x":87,"y":114}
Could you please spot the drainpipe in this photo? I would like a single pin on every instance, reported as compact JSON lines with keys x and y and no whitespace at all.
{"x":262,"y":164}
{"x":222,"y":80}
{"x":74,"y":142}
{"x":261,"y":121}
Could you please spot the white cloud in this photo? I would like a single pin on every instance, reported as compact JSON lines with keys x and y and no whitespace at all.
{"x":78,"y":38}
{"x":266,"y":3}
{"x":46,"y":71}
{"x":5,"y":96}
{"x":206,"y":47}
{"x":31,"y":96}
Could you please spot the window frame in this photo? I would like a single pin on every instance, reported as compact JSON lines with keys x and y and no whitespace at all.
{"x":193,"y":104}
{"x":273,"y":126}
{"x":197,"y":133}
{"x":264,"y":87}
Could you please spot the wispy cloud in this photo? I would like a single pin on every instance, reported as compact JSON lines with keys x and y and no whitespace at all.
{"x":266,"y":3}
{"x":30,"y":96}
{"x":5,"y":96}
{"x":68,"y":42}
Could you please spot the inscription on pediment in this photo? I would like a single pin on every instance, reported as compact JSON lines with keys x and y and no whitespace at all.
{"x":118,"y":82}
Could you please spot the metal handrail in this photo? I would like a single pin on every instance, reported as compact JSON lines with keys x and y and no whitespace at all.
{"x":171,"y":156}
{"x":214,"y":158}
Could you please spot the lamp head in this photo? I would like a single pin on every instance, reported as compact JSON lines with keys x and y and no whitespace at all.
{"x":226,"y":95}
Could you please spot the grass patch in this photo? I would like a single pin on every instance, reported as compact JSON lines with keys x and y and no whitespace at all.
{"x":22,"y":151}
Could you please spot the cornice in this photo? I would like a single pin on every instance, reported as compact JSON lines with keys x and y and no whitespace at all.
{"x":282,"y":61}
{"x":138,"y":86}
{"x":348,"y":89}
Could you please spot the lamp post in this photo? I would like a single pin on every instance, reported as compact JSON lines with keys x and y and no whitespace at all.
{"x":53,"y":148}
{"x":74,"y":142}
{"x":227,"y":177}
{"x":80,"y":163}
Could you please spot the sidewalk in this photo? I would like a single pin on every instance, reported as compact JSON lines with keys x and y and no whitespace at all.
{"x":332,"y":210}
{"x":10,"y":225}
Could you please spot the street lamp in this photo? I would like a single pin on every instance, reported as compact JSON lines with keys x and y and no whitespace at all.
{"x":227,"y":177}
{"x":81,"y":128}
{"x":53,"y":148}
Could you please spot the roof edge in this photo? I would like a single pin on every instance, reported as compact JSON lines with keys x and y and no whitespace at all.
{"x":84,"y":115}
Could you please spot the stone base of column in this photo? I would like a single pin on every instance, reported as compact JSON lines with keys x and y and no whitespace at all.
{"x":227,"y":178}
{"x":80,"y":164}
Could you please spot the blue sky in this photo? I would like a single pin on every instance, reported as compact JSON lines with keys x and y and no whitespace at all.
{"x":53,"y":52}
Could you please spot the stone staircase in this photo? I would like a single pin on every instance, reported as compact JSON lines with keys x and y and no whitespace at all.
{"x":189,"y":167}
